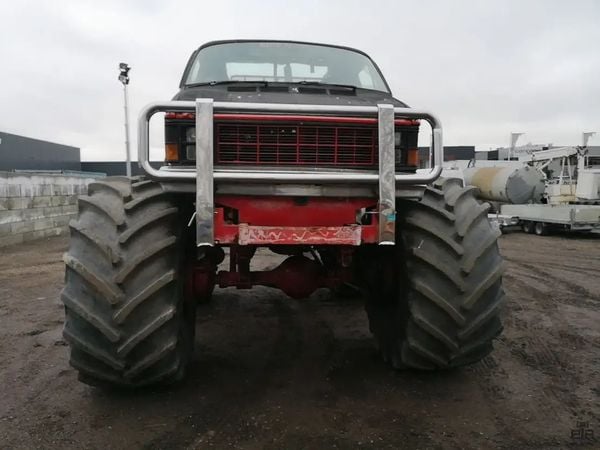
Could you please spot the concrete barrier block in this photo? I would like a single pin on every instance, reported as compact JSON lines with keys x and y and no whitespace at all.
{"x":60,"y":200}
{"x":27,"y":191}
{"x":52,"y":211}
{"x":30,"y":190}
{"x":46,"y":189}
{"x":60,"y":189}
{"x":38,"y":190}
{"x":5,"y":228}
{"x":63,"y":221}
{"x":42,"y":224}
{"x":32,"y":214}
{"x":69,"y":209}
{"x":21,"y":227}
{"x":20,"y":202}
{"x":10,"y":216}
{"x":13,"y":190}
{"x":54,"y":231}
{"x":41,"y":202}
{"x":56,"y":189}
{"x":37,"y":205}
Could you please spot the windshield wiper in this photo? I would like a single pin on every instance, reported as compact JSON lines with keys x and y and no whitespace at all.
{"x":320,"y":83}
{"x":224,"y":82}
{"x":267,"y":83}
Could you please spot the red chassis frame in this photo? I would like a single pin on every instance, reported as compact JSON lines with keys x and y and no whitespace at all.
{"x":288,"y":225}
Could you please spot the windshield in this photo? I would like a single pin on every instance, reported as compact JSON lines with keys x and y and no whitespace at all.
{"x":284,"y":62}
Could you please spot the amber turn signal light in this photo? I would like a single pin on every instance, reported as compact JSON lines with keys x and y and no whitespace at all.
{"x":412,"y":157}
{"x":171,"y":153}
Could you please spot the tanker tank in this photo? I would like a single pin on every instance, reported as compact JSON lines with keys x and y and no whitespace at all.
{"x":516,"y":185}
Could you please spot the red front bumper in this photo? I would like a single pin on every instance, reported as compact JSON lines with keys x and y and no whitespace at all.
{"x":294,"y":221}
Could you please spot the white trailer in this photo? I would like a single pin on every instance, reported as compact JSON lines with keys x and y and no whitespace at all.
{"x":542,"y":218}
{"x":571,"y":199}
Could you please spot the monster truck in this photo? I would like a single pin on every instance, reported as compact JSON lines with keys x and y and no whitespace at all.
{"x":301,"y":149}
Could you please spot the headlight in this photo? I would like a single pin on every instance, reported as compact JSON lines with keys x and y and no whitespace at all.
{"x":190,"y":134}
{"x":190,"y":148}
{"x":397,"y":147}
{"x":190,"y":152}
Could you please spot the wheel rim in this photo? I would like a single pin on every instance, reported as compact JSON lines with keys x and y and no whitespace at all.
{"x":539,"y":228}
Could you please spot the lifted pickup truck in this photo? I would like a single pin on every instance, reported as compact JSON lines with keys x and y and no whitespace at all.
{"x":302,"y":149}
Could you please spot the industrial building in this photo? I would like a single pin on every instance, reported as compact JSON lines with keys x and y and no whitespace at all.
{"x":25,"y":153}
{"x":502,"y":153}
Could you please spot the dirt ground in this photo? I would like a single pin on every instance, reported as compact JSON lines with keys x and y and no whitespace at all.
{"x":270,"y":372}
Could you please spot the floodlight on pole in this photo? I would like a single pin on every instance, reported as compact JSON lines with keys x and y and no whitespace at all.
{"x":124,"y":79}
{"x":586,"y":137}
{"x":514,"y":137}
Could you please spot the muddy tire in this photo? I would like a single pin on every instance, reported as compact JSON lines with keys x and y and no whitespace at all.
{"x":435,"y":297}
{"x":127,"y":323}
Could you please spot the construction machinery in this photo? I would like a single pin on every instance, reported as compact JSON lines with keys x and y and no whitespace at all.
{"x":300,"y":149}
{"x":570,"y":199}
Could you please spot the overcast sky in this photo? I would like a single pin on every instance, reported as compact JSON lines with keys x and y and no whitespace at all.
{"x":485,"y":67}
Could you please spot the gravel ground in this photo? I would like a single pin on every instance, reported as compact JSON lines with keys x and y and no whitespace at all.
{"x":270,"y":372}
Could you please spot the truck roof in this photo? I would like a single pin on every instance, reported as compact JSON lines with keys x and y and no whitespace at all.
{"x":220,"y":93}
{"x":281,"y":41}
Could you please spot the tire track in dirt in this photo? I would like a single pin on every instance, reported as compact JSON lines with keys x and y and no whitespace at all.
{"x":549,"y":273}
{"x":296,"y":350}
{"x":550,"y":285}
{"x":534,"y":341}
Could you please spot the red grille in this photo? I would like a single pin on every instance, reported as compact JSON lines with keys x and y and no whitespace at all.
{"x":296,"y":144}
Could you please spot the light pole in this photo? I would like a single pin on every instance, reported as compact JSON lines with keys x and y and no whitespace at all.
{"x":586,"y":137}
{"x":514,"y":137}
{"x":124,"y":78}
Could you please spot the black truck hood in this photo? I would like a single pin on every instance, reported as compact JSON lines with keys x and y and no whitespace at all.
{"x":361,"y":97}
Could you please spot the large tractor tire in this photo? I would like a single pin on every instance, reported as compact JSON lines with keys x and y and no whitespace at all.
{"x":434,"y":298}
{"x":127,"y":322}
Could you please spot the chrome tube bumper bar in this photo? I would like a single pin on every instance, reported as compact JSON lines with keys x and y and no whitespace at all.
{"x":205,"y":174}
